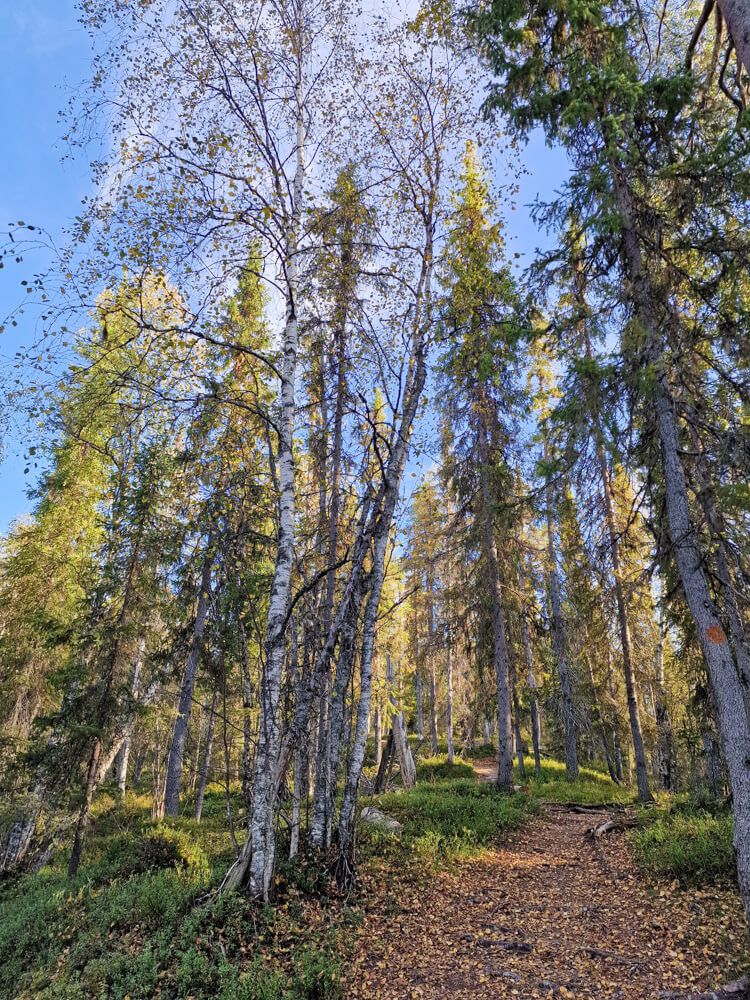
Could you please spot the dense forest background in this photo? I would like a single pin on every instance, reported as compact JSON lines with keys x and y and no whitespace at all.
{"x":324,"y":484}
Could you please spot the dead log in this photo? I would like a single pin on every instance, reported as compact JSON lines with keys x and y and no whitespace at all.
{"x":619,"y":823}
{"x":580,"y":807}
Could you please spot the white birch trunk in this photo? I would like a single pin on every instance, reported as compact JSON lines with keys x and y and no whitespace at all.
{"x":124,"y":753}
{"x":261,"y":842}
{"x":393,"y":477}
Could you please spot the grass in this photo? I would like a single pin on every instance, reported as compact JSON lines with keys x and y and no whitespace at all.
{"x":689,"y":843}
{"x":450,"y":816}
{"x":447,"y":816}
{"x":141,"y":921}
{"x":592,"y":787}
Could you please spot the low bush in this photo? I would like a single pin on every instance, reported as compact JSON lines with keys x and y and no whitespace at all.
{"x":142,"y":920}
{"x":439,"y":769}
{"x":691,"y":845}
{"x":592,"y":787}
{"x":448,"y":815}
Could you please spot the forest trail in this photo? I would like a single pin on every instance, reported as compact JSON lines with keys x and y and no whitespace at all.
{"x":551,"y":914}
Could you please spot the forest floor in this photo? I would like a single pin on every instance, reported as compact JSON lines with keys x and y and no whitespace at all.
{"x":551,"y":914}
{"x":480,"y":896}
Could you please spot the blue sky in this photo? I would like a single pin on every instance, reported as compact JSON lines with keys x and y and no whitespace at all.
{"x":44,"y":55}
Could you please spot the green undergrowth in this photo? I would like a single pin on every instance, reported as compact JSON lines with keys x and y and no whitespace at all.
{"x":142,"y":920}
{"x":592,"y":787}
{"x":687,"y":841}
{"x":448,"y":816}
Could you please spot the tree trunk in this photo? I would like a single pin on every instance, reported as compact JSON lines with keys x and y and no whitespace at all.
{"x":725,"y":683}
{"x":600,"y":720}
{"x":517,"y":730}
{"x":300,"y":751}
{"x":227,"y":795}
{"x":124,"y":753}
{"x":111,"y":671}
{"x":400,"y":742}
{"x":613,"y":718}
{"x":322,"y":784}
{"x":195,"y":770}
{"x":736,"y":14}
{"x":723,"y":574}
{"x":641,"y":767}
{"x":338,"y":728}
{"x":381,"y":776}
{"x":179,"y":735}
{"x":83,"y":817}
{"x":378,"y":732}
{"x":299,"y":729}
{"x":449,"y":701}
{"x":247,"y":704}
{"x":41,"y":789}
{"x":420,"y":716}
{"x":206,"y":756}
{"x":536,"y":736}
{"x":394,"y":474}
{"x":665,"y":745}
{"x":505,"y":782}
{"x":433,"y":695}
{"x":558,"y":637}
{"x":262,"y":839}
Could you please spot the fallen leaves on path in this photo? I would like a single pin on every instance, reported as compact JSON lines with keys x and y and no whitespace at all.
{"x":551,"y":914}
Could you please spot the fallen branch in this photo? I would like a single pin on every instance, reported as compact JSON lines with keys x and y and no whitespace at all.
{"x":581,"y":807}
{"x":621,"y":823}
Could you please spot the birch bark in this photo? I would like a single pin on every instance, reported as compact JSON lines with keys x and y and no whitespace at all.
{"x":393,"y":477}
{"x":124,"y":752}
{"x":262,"y":838}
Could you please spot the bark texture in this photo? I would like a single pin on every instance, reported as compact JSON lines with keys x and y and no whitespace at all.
{"x":206,"y":765}
{"x":736,"y":14}
{"x":187,"y":688}
{"x":558,"y":640}
{"x":723,"y":674}
{"x":500,"y":646}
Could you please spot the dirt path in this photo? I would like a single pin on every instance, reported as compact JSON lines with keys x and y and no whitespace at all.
{"x":551,"y":914}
